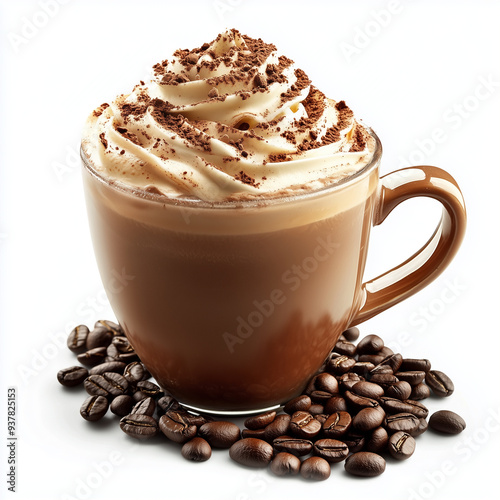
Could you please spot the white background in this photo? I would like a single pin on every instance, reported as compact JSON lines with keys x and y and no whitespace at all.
{"x":406,"y":68}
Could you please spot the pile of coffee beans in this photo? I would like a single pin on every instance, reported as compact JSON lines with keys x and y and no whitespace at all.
{"x":364,"y":405}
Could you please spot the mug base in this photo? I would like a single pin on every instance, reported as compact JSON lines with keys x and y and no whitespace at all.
{"x":230,"y":413}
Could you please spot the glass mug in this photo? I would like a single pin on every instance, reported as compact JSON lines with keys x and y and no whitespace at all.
{"x":234,"y":306}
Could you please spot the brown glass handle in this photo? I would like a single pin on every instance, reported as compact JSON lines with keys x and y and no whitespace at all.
{"x":430,"y":261}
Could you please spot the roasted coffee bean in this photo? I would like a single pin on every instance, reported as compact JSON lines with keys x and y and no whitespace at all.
{"x":326,"y":382}
{"x":320,"y":397}
{"x":406,"y":422}
{"x":316,"y":409}
{"x":375,"y":359}
{"x":337,"y":424}
{"x":367,"y":389}
{"x":349,"y":380}
{"x":257,"y":433}
{"x":385,"y":380}
{"x":386,"y":351}
{"x":417,"y":408}
{"x":351,"y":334}
{"x":220,"y":434}
{"x":108,"y":384}
{"x":419,"y":392}
{"x":392,"y":405}
{"x":393,"y":361}
{"x":400,"y":390}
{"x":340,"y":364}
{"x":251,"y":452}
{"x":139,"y":426}
{"x":440,"y":383}
{"x":359,"y":402}
{"x":149,"y":388}
{"x":196,"y":450}
{"x":447,"y":422}
{"x":278,"y":427}
{"x":260,"y":421}
{"x":110,"y":366}
{"x":401,"y":445}
{"x":94,"y":408}
{"x":422,"y":427}
{"x":337,"y":403}
{"x":166,"y":403}
{"x":331,"y":450}
{"x":110,"y":325}
{"x":379,"y":369}
{"x":300,"y":403}
{"x":136,"y":372}
{"x":412,"y":377}
{"x":285,"y":464}
{"x":355,"y":442}
{"x":295,"y":446}
{"x":122,"y":405}
{"x":365,"y":464}
{"x":98,"y":337}
{"x":345,"y":347}
{"x":145,"y":407}
{"x":371,"y":344}
{"x":362,"y":368}
{"x":92,"y":357}
{"x":77,"y":339}
{"x":315,"y":468}
{"x":304,"y":425}
{"x":377,"y":441}
{"x":175,"y":427}
{"x":321,"y":418}
{"x":197,"y":420}
{"x":368,"y":419}
{"x":139,"y":396}
{"x":114,"y":354}
{"x":122,"y":344}
{"x":410,"y":364}
{"x":72,"y":376}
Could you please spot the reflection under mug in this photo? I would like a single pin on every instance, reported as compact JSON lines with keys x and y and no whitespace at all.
{"x":233,"y":306}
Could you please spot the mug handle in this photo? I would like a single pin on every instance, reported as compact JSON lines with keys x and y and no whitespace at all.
{"x":430,"y":261}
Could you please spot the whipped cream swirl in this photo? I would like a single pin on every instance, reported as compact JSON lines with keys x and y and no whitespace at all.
{"x":232,"y":119}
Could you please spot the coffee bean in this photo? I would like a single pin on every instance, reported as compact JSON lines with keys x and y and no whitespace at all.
{"x":92,"y":357}
{"x":447,"y":422}
{"x":110,"y":325}
{"x":94,"y":408}
{"x":392,"y":405}
{"x":251,"y":452}
{"x":300,"y":403}
{"x":340,"y":364}
{"x":355,"y":442}
{"x":110,"y":366}
{"x":197,"y":420}
{"x":122,"y":405}
{"x":257,"y":433}
{"x":304,"y":425}
{"x":377,"y":441}
{"x":418,"y":409}
{"x":260,"y":421}
{"x":108,"y":384}
{"x":139,"y":426}
{"x":371,"y":344}
{"x":410,"y":364}
{"x":166,"y":403}
{"x":331,"y":450}
{"x":145,"y":407}
{"x":385,"y":380}
{"x":99,"y":337}
{"x":337,"y":403}
{"x":345,"y":347}
{"x":422,"y":427}
{"x":375,"y":359}
{"x":359,"y":402}
{"x":316,"y":410}
{"x":401,"y":445}
{"x":351,"y":334}
{"x":319,"y":397}
{"x":386,"y":351}
{"x":440,"y":383}
{"x":368,"y":419}
{"x":367,"y":389}
{"x":296,"y":446}
{"x":175,"y":427}
{"x":337,"y":424}
{"x":196,"y":450}
{"x":139,"y":396}
{"x":325,"y":382}
{"x":77,"y":339}
{"x":393,"y":361}
{"x":412,"y":377}
{"x":220,"y":434}
{"x":122,"y":344}
{"x":315,"y":468}
{"x":149,"y":388}
{"x":72,"y":376}
{"x":349,"y":380}
{"x":400,"y":390}
{"x":113,"y":352}
{"x":285,"y":464}
{"x":362,"y":368}
{"x":406,"y":422}
{"x":419,"y":392}
{"x":321,"y":418}
{"x":365,"y":464}
{"x":278,"y":427}
{"x":136,"y":372}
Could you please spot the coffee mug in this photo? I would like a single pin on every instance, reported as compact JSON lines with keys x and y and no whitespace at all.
{"x":233,"y":306}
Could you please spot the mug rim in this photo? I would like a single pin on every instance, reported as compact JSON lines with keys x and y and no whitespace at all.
{"x":245,"y":203}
